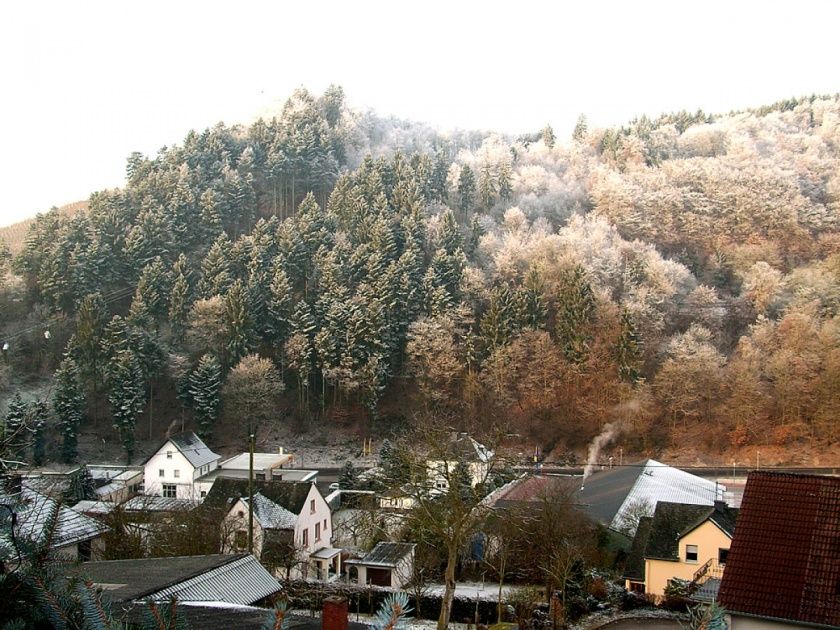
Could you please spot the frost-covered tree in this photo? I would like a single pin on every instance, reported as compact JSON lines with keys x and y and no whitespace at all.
{"x":205,"y":383}
{"x":68,"y":402}
{"x":126,"y":396}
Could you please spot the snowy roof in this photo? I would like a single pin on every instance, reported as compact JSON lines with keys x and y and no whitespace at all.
{"x":262,"y":461}
{"x":143,"y":503}
{"x":93,"y":507}
{"x":192,"y":447}
{"x":34,"y":513}
{"x":611,"y":496}
{"x":235,"y":579}
{"x":270,"y":515}
{"x":385,"y":554}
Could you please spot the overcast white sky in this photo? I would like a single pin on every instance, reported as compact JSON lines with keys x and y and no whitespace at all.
{"x":86,"y":83}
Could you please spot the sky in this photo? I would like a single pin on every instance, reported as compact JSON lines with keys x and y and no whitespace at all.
{"x":86,"y":83}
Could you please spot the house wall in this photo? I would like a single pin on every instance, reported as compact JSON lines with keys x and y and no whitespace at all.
{"x":403,"y":572}
{"x":708,"y":538}
{"x":234,"y":522}
{"x":307,"y":519}
{"x":153,"y":482}
{"x":478,"y":471}
{"x":739,"y":622}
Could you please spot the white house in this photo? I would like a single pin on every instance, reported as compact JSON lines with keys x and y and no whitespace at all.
{"x":173,"y":469}
{"x":461,"y":450}
{"x":292,"y":526}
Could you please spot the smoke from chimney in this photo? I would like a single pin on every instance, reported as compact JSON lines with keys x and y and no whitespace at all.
{"x":595,"y":447}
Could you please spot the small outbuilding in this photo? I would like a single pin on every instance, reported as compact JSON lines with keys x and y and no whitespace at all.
{"x":388,"y":564}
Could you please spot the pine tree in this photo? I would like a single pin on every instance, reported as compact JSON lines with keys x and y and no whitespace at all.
{"x":85,"y":346}
{"x":349,"y":477}
{"x":533,"y":300}
{"x":68,"y":403}
{"x":548,"y":137}
{"x":205,"y":384}
{"x":504,"y":182}
{"x":180,"y":298}
{"x":581,"y":129}
{"x":486,"y":188}
{"x":466,"y":189}
{"x":450,"y":234}
{"x":439,"y":178}
{"x":575,"y":313}
{"x":153,"y":287}
{"x":238,"y":326}
{"x":15,"y":430}
{"x":628,"y":350}
{"x":126,"y":395}
{"x":38,"y":413}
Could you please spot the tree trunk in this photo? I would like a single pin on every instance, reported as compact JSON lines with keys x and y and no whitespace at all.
{"x":449,"y":590}
{"x":502,"y":563}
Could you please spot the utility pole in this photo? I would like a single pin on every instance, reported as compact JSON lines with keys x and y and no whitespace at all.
{"x":251,"y":491}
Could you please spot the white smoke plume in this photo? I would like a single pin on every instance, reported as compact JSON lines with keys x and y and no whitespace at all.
{"x":595,"y":447}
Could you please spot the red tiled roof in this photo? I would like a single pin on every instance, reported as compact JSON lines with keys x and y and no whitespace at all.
{"x":785,"y":557}
{"x":534,"y":488}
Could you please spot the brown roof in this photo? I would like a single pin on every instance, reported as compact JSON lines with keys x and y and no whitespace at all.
{"x":533,"y":489}
{"x":784,"y":562}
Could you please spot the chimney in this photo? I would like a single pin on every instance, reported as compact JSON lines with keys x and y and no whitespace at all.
{"x":720,"y":506}
{"x":334,"y":616}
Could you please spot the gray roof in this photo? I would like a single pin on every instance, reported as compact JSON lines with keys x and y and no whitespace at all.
{"x":270,"y":515}
{"x":235,"y":579}
{"x":192,"y":447}
{"x":34,"y":511}
{"x":385,"y":554}
{"x":148,"y":503}
{"x":223,"y":616}
{"x":94,"y":507}
{"x":609,"y":496}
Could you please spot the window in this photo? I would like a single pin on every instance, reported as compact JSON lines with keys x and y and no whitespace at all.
{"x":305,"y":537}
{"x":722,"y":555}
{"x":240,"y":514}
{"x":325,"y":524}
{"x":177,"y":473}
{"x":84,"y":550}
{"x":241,"y":540}
{"x":312,"y":506}
{"x":160,"y":473}
{"x":317,"y":531}
{"x":169,"y":490}
{"x":691,"y":553}
{"x":203,"y":493}
{"x":168,"y":454}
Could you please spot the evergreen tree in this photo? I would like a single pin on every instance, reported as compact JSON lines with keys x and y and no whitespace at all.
{"x":205,"y":383}
{"x":85,"y":346}
{"x":474,"y":236}
{"x":349,"y":477}
{"x":504,"y":182}
{"x":126,"y":394}
{"x":628,"y":350}
{"x":68,"y":403}
{"x":466,"y":189}
{"x":238,"y":326}
{"x":153,"y":287}
{"x":486,"y":188}
{"x":502,"y":318}
{"x":215,"y":268}
{"x":38,"y":413}
{"x":439,"y":178}
{"x":82,"y":487}
{"x":575,"y":313}
{"x":533,"y":301}
{"x":581,"y":129}
{"x":180,"y":298}
{"x":15,"y":430}
{"x":279,"y":306}
{"x":547,"y":136}
{"x":450,"y":234}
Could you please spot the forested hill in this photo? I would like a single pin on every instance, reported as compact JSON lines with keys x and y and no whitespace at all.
{"x":676,"y":279}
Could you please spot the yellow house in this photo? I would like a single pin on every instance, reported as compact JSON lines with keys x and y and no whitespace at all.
{"x":688,"y":542}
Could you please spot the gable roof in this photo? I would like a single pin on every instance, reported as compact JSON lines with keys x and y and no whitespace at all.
{"x":34,"y":513}
{"x":290,"y":495}
{"x":236,"y":579}
{"x":463,"y":447}
{"x":193,"y":448}
{"x":531,"y":489}
{"x":610,"y":496}
{"x":784,"y":562}
{"x":270,"y":515}
{"x":672,"y":521}
{"x":385,"y":554}
{"x":634,"y":566}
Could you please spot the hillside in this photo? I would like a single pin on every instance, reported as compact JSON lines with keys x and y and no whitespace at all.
{"x":14,"y":235}
{"x":671,"y":285}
